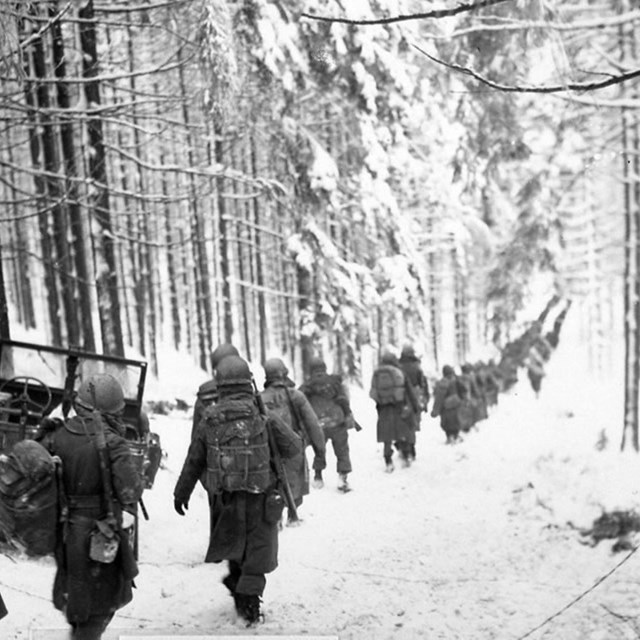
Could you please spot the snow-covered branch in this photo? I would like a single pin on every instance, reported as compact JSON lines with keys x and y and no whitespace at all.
{"x":437,"y":13}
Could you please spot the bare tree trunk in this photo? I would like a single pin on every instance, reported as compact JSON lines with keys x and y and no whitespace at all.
{"x":104,"y":248}
{"x":172,"y":270}
{"x":631,"y":275}
{"x":257,"y":219}
{"x":81,"y":291}
{"x":4,"y":307}
{"x":225,"y":267}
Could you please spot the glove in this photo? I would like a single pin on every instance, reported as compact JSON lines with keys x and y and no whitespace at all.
{"x":180,"y":506}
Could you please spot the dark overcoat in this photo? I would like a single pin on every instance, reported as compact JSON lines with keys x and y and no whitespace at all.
{"x":240,"y":526}
{"x":83,"y":587}
{"x":412,"y":370}
{"x":293,"y":408}
{"x":448,"y":387}
{"x":398,"y":422}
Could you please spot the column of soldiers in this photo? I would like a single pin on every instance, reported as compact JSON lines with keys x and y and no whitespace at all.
{"x":248,"y":449}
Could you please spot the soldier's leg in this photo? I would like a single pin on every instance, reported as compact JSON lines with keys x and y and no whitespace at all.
{"x":231,"y":579}
{"x":340,"y":441}
{"x":90,"y":629}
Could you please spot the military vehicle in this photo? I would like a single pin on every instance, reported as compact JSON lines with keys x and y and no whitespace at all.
{"x":40,"y":381}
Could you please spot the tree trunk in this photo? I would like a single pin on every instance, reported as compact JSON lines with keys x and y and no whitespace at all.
{"x":83,"y":324}
{"x":631,"y":275}
{"x":225,"y":266}
{"x":5,"y":334}
{"x":104,"y":246}
{"x":257,"y":219}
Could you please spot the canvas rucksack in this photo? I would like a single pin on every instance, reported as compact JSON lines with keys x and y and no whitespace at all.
{"x":322,"y":394}
{"x":238,"y":454}
{"x":387,"y":385}
{"x":29,"y":497}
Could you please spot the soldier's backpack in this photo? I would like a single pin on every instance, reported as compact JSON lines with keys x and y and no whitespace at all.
{"x":322,"y":394}
{"x":387,"y":385}
{"x":238,"y":454}
{"x":29,"y":497}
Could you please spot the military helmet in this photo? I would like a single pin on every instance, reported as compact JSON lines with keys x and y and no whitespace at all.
{"x":408,"y":351}
{"x":317,"y":364}
{"x":233,"y":370}
{"x":221,"y":352}
{"x":275,"y":369}
{"x":388,"y":357}
{"x":101,"y":392}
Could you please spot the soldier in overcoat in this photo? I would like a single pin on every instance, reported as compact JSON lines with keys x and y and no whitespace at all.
{"x":293,"y":408}
{"x":232,"y":445}
{"x":396,"y":421}
{"x":88,"y":591}
{"x":410,"y":365}
{"x":448,"y":396}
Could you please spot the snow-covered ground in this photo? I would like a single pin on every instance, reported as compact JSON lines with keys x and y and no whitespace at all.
{"x":475,"y":541}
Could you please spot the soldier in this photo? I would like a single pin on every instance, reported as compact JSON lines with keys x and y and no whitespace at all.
{"x":330,"y":401}
{"x":398,"y":410}
{"x":207,"y":393}
{"x":293,"y":408}
{"x":232,"y":444}
{"x":448,"y":396}
{"x":101,"y":486}
{"x":410,"y":365}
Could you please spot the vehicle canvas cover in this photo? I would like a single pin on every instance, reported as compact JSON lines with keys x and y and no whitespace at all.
{"x":29,"y":497}
{"x":238,"y":455}
{"x":387,"y":385}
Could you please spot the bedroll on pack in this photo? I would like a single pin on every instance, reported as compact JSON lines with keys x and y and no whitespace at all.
{"x":238,"y":455}
{"x":387,"y":385}
{"x":29,"y":497}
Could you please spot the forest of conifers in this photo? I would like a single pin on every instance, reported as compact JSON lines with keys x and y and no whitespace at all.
{"x":189,"y":172}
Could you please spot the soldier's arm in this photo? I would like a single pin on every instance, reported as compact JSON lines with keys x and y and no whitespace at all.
{"x":342,"y":398}
{"x":195,"y":463}
{"x":312,"y":426}
{"x":125,"y":479}
{"x":198,"y":410}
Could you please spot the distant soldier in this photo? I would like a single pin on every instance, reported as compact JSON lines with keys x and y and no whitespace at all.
{"x":233,"y":444}
{"x":101,"y":485}
{"x":490,"y":382}
{"x":207,"y":392}
{"x":293,"y":408}
{"x":398,"y":410}
{"x":410,"y":365}
{"x":448,"y":395}
{"x":330,"y":401}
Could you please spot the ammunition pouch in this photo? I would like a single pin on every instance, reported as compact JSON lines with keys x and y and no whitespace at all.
{"x":104,"y":541}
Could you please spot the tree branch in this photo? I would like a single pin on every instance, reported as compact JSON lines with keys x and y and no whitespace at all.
{"x":570,"y":86}
{"x":438,"y":13}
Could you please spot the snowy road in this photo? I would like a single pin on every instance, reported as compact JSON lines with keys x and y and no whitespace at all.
{"x":471,"y":542}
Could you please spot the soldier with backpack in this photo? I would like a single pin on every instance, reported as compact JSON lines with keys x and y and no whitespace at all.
{"x":330,"y":401}
{"x":239,"y":448}
{"x":101,"y":489}
{"x":448,"y":396}
{"x":207,"y":392}
{"x":293,"y":408}
{"x":397,"y":406}
{"x":410,"y":365}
